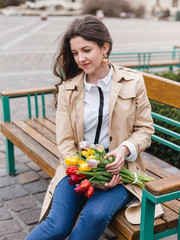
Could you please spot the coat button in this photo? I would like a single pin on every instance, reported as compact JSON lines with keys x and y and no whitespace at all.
{"x":110,"y":139}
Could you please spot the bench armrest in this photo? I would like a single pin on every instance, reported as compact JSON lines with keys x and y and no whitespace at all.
{"x":23,"y":92}
{"x":164,"y":186}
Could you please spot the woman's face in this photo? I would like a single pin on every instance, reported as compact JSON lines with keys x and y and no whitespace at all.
{"x":88,"y":55}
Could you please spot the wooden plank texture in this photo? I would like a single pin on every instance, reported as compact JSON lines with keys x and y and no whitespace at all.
{"x":164,"y":186}
{"x":46,"y":123}
{"x":170,"y":217}
{"x":42,"y":130}
{"x":162,"y":90}
{"x":28,"y":91}
{"x":51,"y":147}
{"x":40,"y":155}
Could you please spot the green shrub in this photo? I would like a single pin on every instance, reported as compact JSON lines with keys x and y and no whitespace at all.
{"x":166,"y":153}
{"x":6,"y":3}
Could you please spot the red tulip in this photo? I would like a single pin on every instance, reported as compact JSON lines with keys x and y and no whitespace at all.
{"x":79,"y":190}
{"x":71,"y":170}
{"x":74,"y":179}
{"x":84,"y":184}
{"x":89,"y":192}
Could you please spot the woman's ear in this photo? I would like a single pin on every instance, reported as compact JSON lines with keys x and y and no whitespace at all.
{"x":106,"y":47}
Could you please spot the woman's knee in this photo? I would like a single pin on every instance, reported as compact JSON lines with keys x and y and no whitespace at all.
{"x":96,"y":216}
{"x":55,"y":229}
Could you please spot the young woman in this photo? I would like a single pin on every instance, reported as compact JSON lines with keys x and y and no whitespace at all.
{"x":99,"y":103}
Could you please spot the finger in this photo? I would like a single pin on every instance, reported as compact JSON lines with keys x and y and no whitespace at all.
{"x":114,"y":167}
{"x":113,"y":164}
{"x":116,"y":170}
{"x":112,"y":183}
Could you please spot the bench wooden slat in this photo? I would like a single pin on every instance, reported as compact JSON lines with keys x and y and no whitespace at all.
{"x":156,"y":170}
{"x":122,"y":225}
{"x":40,"y":155}
{"x":46,"y":123}
{"x":173,"y":205}
{"x":162,"y":90}
{"x":42,"y":130}
{"x":51,"y":119}
{"x":116,"y":232}
{"x":164,"y":186}
{"x":170,"y":217}
{"x":38,"y":137}
{"x":28,"y":91}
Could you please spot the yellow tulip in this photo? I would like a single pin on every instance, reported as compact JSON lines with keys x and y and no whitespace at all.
{"x":81,"y":162}
{"x":71,"y":161}
{"x":91,"y":157}
{"x":84,"y":153}
{"x":84,"y":167}
{"x":91,"y":152}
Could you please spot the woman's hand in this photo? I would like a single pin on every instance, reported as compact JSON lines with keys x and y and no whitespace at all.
{"x":115,"y":167}
{"x":116,"y":179}
{"x":120,"y":154}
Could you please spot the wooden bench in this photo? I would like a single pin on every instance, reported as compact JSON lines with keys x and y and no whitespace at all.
{"x":148,"y":60}
{"x":37,"y":139}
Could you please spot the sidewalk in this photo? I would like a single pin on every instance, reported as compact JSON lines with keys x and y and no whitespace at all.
{"x":27,"y":46}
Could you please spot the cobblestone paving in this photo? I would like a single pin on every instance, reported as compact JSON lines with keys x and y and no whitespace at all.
{"x":27,"y":46}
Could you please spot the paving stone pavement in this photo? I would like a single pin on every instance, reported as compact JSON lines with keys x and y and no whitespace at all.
{"x":27,"y":46}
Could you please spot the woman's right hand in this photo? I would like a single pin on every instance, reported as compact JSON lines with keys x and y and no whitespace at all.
{"x":116,"y":180}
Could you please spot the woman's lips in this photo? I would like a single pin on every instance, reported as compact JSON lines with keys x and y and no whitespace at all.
{"x":85,"y":65}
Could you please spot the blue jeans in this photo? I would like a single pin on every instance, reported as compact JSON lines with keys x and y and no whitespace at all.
{"x":96,"y":213}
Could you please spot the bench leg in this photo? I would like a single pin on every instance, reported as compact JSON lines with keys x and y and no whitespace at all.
{"x":147,"y":219}
{"x":10,"y":165}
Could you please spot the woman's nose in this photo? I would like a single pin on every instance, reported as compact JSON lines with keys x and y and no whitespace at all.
{"x":81,"y":58}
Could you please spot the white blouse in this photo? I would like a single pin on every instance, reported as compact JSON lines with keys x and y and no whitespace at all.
{"x":91,"y":109}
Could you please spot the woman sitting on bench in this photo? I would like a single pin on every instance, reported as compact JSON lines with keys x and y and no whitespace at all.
{"x":102,"y":104}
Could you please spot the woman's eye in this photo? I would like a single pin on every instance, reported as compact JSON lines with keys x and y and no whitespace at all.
{"x":74,"y":53}
{"x":87,"y":50}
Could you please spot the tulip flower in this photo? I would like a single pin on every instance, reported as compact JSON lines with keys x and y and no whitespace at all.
{"x":92,"y":163}
{"x":71,"y":161}
{"x":74,"y":179}
{"x":84,"y":167}
{"x":85,"y":144}
{"x":71,"y":170}
{"x":89,"y":192}
{"x":84,"y":153}
{"x":79,"y":190}
{"x":84,"y":184}
{"x":81,"y":162}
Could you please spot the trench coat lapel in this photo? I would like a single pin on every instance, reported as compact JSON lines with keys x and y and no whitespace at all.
{"x":118,"y":75}
{"x":79,"y":108}
{"x":115,"y":89}
{"x":77,"y":86}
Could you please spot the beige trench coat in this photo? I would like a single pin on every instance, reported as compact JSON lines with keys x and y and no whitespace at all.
{"x":129,"y":119}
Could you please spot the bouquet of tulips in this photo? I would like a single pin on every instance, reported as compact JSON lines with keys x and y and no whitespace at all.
{"x":87,"y":167}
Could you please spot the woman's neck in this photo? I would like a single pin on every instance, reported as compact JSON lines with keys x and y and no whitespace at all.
{"x":93,"y":78}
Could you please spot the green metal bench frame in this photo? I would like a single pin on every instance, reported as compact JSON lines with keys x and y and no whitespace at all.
{"x":144,"y":60}
{"x":149,"y":201}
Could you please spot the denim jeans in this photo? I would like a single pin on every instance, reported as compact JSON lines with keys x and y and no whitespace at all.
{"x":96,"y":213}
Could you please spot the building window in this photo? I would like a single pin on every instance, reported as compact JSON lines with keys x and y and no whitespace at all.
{"x":175,"y":3}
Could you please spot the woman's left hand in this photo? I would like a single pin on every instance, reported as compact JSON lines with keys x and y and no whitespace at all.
{"x":120,"y":154}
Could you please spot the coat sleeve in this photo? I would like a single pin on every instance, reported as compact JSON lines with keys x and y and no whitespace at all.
{"x":143,"y":122}
{"x":64,"y":132}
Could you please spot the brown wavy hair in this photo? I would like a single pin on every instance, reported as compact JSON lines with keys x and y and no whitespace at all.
{"x":91,"y":29}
